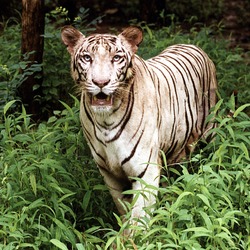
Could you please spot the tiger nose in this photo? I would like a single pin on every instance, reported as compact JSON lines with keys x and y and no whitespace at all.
{"x":101,"y":83}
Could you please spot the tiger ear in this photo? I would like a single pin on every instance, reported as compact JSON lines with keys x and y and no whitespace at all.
{"x":133,"y":35}
{"x":70,"y":36}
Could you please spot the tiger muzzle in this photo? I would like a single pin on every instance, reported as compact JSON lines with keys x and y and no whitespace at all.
{"x":101,"y":99}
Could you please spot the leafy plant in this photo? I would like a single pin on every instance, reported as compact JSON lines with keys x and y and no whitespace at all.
{"x":40,"y":193}
{"x":207,"y":208}
{"x":57,"y":83}
{"x":203,"y":10}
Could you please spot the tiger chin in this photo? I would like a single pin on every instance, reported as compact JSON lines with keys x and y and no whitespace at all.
{"x":133,"y":109}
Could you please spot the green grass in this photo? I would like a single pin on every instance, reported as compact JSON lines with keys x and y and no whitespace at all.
{"x":53,"y":197}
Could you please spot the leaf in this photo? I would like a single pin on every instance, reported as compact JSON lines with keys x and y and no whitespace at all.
{"x":86,"y":200}
{"x":28,"y":245}
{"x":36,"y":203}
{"x":60,"y":224}
{"x":204,"y":199}
{"x":224,"y":235}
{"x":33,"y":183}
{"x":149,"y":32}
{"x":224,"y":121}
{"x":59,"y":244}
{"x":244,"y":137}
{"x":241,"y":108}
{"x":92,"y":230}
{"x":80,"y":246}
{"x":68,"y":108}
{"x":178,"y":201}
{"x":231,"y":131}
{"x":244,"y":149}
{"x":198,"y":229}
{"x":110,"y":242}
{"x":217,"y":106}
{"x":7,"y":106}
{"x":207,"y":220}
{"x":65,"y":196}
{"x":24,"y":138}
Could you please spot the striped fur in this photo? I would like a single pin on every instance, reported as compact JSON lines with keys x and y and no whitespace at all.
{"x":158,"y":104}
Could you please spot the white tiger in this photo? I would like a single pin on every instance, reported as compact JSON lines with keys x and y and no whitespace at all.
{"x":132,"y":108}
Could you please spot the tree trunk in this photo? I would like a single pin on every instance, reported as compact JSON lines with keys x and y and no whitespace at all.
{"x":33,"y":21}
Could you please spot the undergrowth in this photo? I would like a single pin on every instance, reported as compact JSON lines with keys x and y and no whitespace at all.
{"x":45,"y":194}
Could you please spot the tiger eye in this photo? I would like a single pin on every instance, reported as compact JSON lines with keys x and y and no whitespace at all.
{"x":87,"y":58}
{"x":116,"y":58}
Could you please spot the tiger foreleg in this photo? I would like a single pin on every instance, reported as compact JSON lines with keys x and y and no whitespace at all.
{"x":116,"y":188}
{"x":145,"y":190}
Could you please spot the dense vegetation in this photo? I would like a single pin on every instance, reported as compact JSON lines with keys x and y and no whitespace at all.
{"x":52,"y":196}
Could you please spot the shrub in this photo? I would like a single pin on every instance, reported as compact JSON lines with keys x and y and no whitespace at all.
{"x":208,"y":207}
{"x":40,"y":194}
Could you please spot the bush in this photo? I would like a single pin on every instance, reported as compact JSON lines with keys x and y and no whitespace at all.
{"x":57,"y":82}
{"x":40,"y":193}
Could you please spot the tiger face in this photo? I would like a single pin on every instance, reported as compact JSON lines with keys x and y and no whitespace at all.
{"x":101,"y":64}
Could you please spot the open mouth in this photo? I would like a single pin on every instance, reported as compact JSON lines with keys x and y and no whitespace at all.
{"x":101,"y":100}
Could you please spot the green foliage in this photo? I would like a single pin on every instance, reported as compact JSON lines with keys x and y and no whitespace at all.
{"x":9,"y":66}
{"x":233,"y":73}
{"x":57,"y":82}
{"x":43,"y":184}
{"x":208,"y":208}
{"x":52,"y":196}
{"x":203,"y":10}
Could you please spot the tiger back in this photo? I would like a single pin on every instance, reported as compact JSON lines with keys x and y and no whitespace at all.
{"x":131,"y":109}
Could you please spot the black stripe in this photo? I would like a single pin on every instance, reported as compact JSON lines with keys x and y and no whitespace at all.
{"x":123,"y":122}
{"x":99,"y":155}
{"x":185,"y":85}
{"x":92,"y":122}
{"x":172,"y":149}
{"x":146,"y":168}
{"x":133,"y":150}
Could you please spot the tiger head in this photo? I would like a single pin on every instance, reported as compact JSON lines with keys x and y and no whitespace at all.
{"x":102,"y":63}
